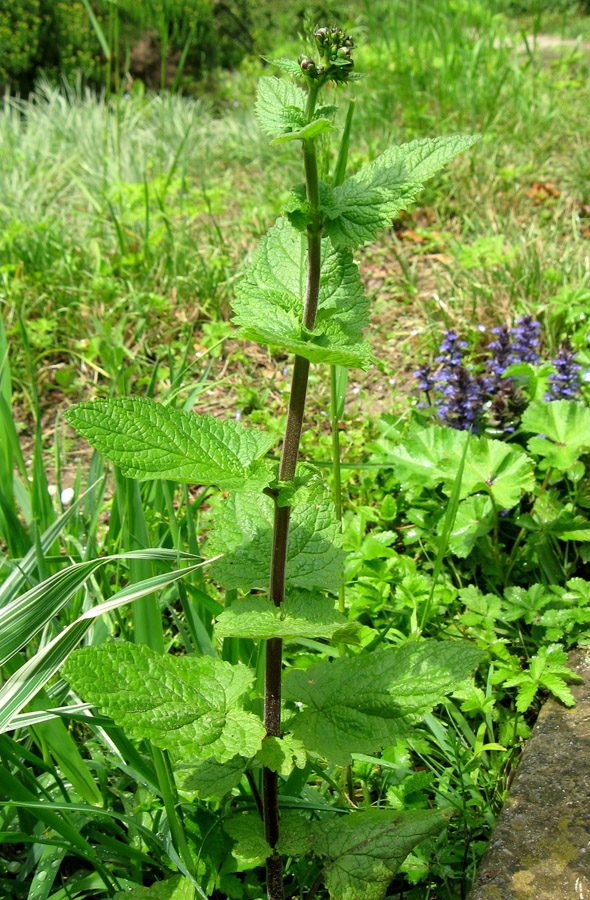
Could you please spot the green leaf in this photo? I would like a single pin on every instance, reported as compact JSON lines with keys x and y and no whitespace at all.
{"x":296,"y":838}
{"x":287,"y":65}
{"x":366,"y":849}
{"x":565,"y":425}
{"x":475,"y":518}
{"x":281,"y":754}
{"x":309,"y":131}
{"x":425,"y":457}
{"x":359,"y":705}
{"x":147,"y":440}
{"x":243,"y":532}
{"x":25,"y":615}
{"x":280,"y":105}
{"x":214,"y":779}
{"x":270,"y":298}
{"x":251,"y":848}
{"x":431,"y":456}
{"x":526,"y":603}
{"x":505,"y":472}
{"x":547,"y":669}
{"x":367,"y":203}
{"x":186,"y":704}
{"x":175,"y":888}
{"x":27,"y":681}
{"x":302,"y":614}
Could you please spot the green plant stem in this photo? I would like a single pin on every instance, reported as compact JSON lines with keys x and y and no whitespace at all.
{"x":334,"y":423}
{"x":274,"y":646}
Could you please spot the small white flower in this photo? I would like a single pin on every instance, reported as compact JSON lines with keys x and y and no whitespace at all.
{"x":392,"y":381}
{"x":67,"y":495}
{"x":356,"y":389}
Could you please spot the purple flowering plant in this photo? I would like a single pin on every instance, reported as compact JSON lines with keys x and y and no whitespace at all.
{"x":484,"y":392}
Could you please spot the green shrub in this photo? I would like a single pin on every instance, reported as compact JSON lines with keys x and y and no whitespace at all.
{"x":20,"y":28}
{"x":52,"y":37}
{"x":56,"y":38}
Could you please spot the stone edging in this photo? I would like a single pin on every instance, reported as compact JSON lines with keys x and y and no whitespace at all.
{"x":540,"y":848}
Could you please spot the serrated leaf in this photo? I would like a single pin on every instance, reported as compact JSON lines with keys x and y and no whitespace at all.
{"x":567,"y":527}
{"x":175,"y":888}
{"x":361,"y":704}
{"x":302,"y":614}
{"x":270,"y":298}
{"x":556,"y":685}
{"x":251,"y":848}
{"x":243,"y":532}
{"x":147,"y":440}
{"x":367,"y":203}
{"x":526,"y":603}
{"x":186,"y":704}
{"x":280,"y":105}
{"x":366,"y":849}
{"x":565,"y":429}
{"x":214,"y":779}
{"x":281,"y":754}
{"x":287,"y":65}
{"x":526,"y":694}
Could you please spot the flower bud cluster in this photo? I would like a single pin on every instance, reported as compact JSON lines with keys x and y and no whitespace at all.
{"x":463,"y":395}
{"x":564,"y":383}
{"x":336,"y":55}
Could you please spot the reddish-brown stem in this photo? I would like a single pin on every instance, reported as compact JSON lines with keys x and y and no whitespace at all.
{"x":274,"y":647}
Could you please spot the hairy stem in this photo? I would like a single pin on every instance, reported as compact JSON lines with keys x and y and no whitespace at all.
{"x":274,"y":647}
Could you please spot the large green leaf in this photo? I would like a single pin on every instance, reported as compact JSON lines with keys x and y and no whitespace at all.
{"x":280,"y":105}
{"x":356,"y":211}
{"x":147,"y":440}
{"x":563,"y":429}
{"x":426,"y":457}
{"x":503,"y":471}
{"x":302,"y":614}
{"x":270,"y":298}
{"x":359,"y":705}
{"x":214,"y":779}
{"x":187,"y":704}
{"x":430,"y":456}
{"x":364,"y":850}
{"x":243,"y":533}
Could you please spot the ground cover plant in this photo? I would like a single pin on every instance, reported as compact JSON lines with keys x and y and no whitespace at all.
{"x":448,"y":536}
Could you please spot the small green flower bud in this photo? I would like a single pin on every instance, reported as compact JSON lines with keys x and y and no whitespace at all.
{"x":308,"y":66}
